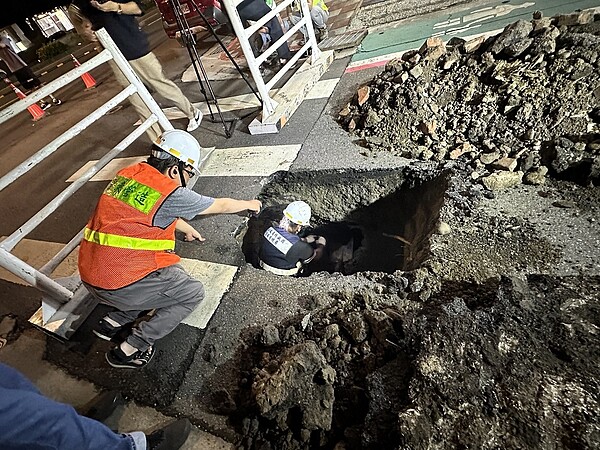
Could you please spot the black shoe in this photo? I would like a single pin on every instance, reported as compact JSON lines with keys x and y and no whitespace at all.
{"x":117,"y":358}
{"x":104,"y":405}
{"x":106,"y":331}
{"x":171,"y":437}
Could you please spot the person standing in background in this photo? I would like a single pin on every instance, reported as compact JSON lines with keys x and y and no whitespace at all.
{"x":19,"y":68}
{"x":119,"y":20}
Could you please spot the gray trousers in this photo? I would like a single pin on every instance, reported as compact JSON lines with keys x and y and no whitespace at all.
{"x":170,"y":291}
{"x":319,"y":19}
{"x":150,"y":71}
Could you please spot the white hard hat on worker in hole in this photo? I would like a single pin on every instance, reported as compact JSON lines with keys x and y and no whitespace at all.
{"x":298,"y":212}
{"x":180,"y":144}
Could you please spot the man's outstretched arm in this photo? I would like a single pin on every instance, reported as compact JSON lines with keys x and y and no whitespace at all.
{"x":231,"y":206}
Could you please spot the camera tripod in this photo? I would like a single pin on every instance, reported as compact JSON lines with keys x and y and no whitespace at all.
{"x":189,"y":40}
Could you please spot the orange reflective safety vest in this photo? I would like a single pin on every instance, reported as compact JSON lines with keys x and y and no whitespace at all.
{"x":120,"y":245}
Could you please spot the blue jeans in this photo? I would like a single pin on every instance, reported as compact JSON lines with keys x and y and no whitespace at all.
{"x":256,"y":10}
{"x":30,"y":421}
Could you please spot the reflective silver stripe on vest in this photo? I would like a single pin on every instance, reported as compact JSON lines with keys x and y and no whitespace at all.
{"x":276,"y":271}
{"x":275,"y":238}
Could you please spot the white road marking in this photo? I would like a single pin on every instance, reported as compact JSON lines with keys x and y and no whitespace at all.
{"x":447,"y":23}
{"x":216,"y":279}
{"x":458,"y":30}
{"x":226,"y":162}
{"x":43,"y":73}
{"x":250,"y":161}
{"x":323,"y":89}
{"x":109,"y":171}
{"x":60,"y":64}
{"x":36,"y":254}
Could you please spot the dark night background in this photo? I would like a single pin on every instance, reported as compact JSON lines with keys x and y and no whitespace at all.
{"x":15,"y":11}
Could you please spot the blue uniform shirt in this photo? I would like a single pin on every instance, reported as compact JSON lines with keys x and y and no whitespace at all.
{"x":299,"y":251}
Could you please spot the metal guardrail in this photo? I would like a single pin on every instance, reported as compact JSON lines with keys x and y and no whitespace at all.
{"x":66,"y":303}
{"x":254,"y":63}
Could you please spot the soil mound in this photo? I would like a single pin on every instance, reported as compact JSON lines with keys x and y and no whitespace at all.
{"x":506,"y":364}
{"x":515,"y":106}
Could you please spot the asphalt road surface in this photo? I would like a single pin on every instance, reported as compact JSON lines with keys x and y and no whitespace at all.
{"x":178,"y":373}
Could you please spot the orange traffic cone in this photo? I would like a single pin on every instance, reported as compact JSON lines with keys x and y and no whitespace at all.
{"x":86,"y":77}
{"x":35,"y":110}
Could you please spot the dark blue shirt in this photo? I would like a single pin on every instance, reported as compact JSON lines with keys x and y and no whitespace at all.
{"x":300,"y":251}
{"x":122,"y":28}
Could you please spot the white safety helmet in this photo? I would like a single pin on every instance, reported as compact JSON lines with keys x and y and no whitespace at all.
{"x":180,"y":144}
{"x":298,"y":212}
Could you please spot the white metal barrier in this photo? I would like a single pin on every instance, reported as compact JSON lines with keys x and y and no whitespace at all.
{"x":66,"y":303}
{"x":254,"y":63}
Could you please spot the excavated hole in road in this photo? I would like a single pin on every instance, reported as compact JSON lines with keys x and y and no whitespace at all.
{"x":378,"y":221}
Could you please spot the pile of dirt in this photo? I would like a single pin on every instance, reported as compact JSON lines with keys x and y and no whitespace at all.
{"x":504,"y":364}
{"x":515,"y":106}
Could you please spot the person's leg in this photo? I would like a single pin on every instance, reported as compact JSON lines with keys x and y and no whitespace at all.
{"x":27,"y":78}
{"x":257,"y":10}
{"x":294,"y":19}
{"x":12,"y":379}
{"x":319,"y":17}
{"x":111,"y":324}
{"x":151,"y":72}
{"x":143,"y":112}
{"x":123,"y":315}
{"x":171,"y":292}
{"x":31,"y":421}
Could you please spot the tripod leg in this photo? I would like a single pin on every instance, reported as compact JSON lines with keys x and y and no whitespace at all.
{"x":220,"y":41}
{"x":189,"y":41}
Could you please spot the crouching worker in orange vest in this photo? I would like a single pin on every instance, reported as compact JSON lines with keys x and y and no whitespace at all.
{"x":127,"y":259}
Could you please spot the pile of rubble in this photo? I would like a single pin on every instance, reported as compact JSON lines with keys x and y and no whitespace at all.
{"x":514,"y":107}
{"x":486,"y":366}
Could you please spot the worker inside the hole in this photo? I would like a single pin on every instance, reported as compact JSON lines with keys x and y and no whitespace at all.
{"x":283,"y":251}
{"x":126,"y":257}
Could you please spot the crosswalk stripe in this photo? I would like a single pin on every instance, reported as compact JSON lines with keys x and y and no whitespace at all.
{"x":36,"y":254}
{"x":226,"y":162}
{"x":323,"y":89}
{"x":250,"y":161}
{"x":110,"y":170}
{"x":216,"y":279}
